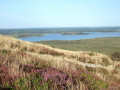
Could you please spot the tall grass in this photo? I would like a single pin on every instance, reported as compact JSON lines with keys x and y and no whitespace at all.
{"x":25,"y":65}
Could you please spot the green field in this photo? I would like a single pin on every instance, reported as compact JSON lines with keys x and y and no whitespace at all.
{"x":101,"y":45}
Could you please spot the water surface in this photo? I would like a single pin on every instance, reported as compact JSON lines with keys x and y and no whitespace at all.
{"x":72,"y":37}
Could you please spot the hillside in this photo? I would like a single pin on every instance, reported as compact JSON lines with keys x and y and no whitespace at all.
{"x":26,"y":65}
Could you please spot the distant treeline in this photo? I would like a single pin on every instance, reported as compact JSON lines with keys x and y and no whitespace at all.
{"x":67,"y":30}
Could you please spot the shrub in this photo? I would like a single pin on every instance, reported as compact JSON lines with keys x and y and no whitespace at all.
{"x":31,"y":82}
{"x":116,"y":56}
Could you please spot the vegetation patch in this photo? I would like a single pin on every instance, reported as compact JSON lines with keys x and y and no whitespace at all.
{"x":101,"y":45}
{"x":116,"y":56}
{"x":25,"y":65}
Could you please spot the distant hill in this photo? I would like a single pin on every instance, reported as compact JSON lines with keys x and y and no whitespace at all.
{"x":26,"y":65}
{"x":28,"y":32}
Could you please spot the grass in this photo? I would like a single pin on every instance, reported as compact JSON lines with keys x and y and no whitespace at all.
{"x":26,"y":65}
{"x":100,"y":45}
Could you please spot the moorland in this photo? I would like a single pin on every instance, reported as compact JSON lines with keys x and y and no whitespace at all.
{"x":32,"y":66}
{"x":89,"y":64}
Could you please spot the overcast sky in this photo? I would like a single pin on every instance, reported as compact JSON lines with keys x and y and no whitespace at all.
{"x":59,"y":13}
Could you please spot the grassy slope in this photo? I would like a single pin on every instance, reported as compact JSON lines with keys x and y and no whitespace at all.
{"x":25,"y":65}
{"x":101,"y":45}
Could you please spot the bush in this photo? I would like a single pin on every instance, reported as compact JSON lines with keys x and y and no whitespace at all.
{"x":31,"y":82}
{"x":116,"y":56}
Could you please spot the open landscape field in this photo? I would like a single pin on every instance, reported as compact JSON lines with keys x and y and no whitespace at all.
{"x":59,"y":44}
{"x":26,"y":66}
{"x":30,"y":32}
{"x":101,"y":45}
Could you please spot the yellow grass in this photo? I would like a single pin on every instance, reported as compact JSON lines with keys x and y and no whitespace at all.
{"x":98,"y":64}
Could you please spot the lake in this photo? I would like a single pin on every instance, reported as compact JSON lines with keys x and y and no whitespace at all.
{"x":72,"y":37}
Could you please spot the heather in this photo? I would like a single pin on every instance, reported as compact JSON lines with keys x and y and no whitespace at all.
{"x":29,"y":66}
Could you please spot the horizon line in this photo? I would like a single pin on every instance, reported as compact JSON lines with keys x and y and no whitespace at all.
{"x":61,"y":27}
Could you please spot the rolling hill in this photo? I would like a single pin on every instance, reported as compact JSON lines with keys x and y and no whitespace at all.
{"x":32,"y":66}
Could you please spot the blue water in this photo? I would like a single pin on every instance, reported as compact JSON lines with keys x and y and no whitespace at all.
{"x":72,"y":37}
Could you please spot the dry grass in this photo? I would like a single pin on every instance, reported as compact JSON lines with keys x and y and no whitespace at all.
{"x":16,"y":51}
{"x":9,"y":43}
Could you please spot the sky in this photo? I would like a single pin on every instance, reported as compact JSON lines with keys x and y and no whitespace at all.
{"x":59,"y":13}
